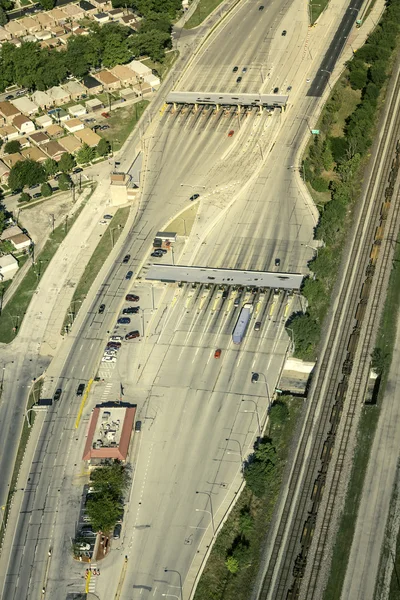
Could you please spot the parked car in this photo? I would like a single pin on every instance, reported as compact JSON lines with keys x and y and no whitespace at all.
{"x":257,"y":326}
{"x":77,"y":170}
{"x":108,"y":217}
{"x":124,"y":321}
{"x":111,"y":359}
{"x":131,"y":310}
{"x":126,"y":258}
{"x":255,"y":377}
{"x":230,"y":134}
{"x":9,"y":97}
{"x":116,"y":338}
{"x":57,"y":394}
{"x":238,"y":80}
{"x":106,"y":115}
{"x":113,"y":345}
{"x":157,"y":254}
{"x":37,"y":195}
{"x":277,"y":262}
{"x":235,"y":69}
{"x":117,"y":531}
{"x":261,"y":7}
{"x":79,"y":391}
{"x":102,"y":308}
{"x":132,"y":298}
{"x":138,"y":425}
{"x":83,"y":547}
{"x":129,"y":275}
{"x":276,"y":90}
{"x":132,"y":335}
{"x":194,"y":197}
{"x":284,"y":32}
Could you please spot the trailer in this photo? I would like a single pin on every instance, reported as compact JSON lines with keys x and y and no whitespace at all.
{"x":242,"y":323}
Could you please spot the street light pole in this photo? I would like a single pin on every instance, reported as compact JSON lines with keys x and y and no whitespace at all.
{"x":267,"y":388}
{"x":252,"y":411}
{"x":292,"y":336}
{"x":240,"y":448}
{"x":180,"y":578}
{"x":211,"y":507}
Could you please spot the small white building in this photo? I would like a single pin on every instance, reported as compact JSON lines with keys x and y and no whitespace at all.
{"x":139,"y":68}
{"x":20,"y":241}
{"x":74,"y":125}
{"x":25,"y":106}
{"x":23,"y":124}
{"x":153,"y":80}
{"x":44,"y":121}
{"x":10,"y":232}
{"x":8,"y":267}
{"x":77,"y":110}
{"x":94,"y":104}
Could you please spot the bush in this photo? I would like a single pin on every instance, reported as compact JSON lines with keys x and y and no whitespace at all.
{"x":12,"y":147}
{"x":24,"y":197}
{"x":64,"y":182}
{"x":46,"y":190}
{"x":320,"y":184}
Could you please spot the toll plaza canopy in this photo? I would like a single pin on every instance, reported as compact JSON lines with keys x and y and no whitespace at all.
{"x":273,"y":100}
{"x":258,"y":279}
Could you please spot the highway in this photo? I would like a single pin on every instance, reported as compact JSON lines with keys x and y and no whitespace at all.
{"x":251,"y":211}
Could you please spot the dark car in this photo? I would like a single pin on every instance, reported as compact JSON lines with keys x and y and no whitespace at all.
{"x":107,"y":217}
{"x":115,"y":345}
{"x":117,"y":531}
{"x":261,"y":7}
{"x":276,"y":90}
{"x":255,"y":377}
{"x":57,"y":394}
{"x":225,"y":294}
{"x":126,"y":258}
{"x":238,"y":80}
{"x":102,"y":308}
{"x":235,"y":69}
{"x":257,"y":326}
{"x":277,"y":262}
{"x":9,"y":97}
{"x":138,"y":425}
{"x":194,"y":197}
{"x":132,"y":298}
{"x":132,"y":335}
{"x":77,"y":170}
{"x":284,"y":32}
{"x":38,"y":195}
{"x":33,"y":187}
{"x":79,"y":391}
{"x":129,"y":275}
{"x":244,"y":70}
{"x":123,"y":321}
{"x":157,"y":253}
{"x":131,"y":310}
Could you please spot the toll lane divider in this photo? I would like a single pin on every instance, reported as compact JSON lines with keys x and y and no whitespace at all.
{"x":85,"y":395}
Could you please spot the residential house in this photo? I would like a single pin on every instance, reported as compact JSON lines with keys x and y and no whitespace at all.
{"x":116,"y":13}
{"x":44,"y":121}
{"x":57,"y":30}
{"x":142,"y":87}
{"x":50,"y":44}
{"x":109,"y":81}
{"x":39,"y":137}
{"x":55,"y":131}
{"x":94,"y":104}
{"x":30,"y":24}
{"x":11,"y":159}
{"x":74,"y":89}
{"x":87,"y":136}
{"x":127,"y":93}
{"x":102,"y":4}
{"x":78,"y":110}
{"x":59,"y":95}
{"x":16,"y":28}
{"x":8,"y":111}
{"x":45,"y":19}
{"x":124,"y":74}
{"x":64,"y":38}
{"x":8,"y":133}
{"x":42,"y":36}
{"x":10,"y":232}
{"x":74,"y":12}
{"x":20,"y":241}
{"x":42,"y":100}
{"x":101,"y":17}
{"x":15,"y":42}
{"x":74,"y":125}
{"x":54,"y":150}
{"x":4,"y":35}
{"x":24,"y":142}
{"x":25,"y":106}
{"x":58,"y":15}
{"x":152,"y":80}
{"x":139,"y":68}
{"x":87,"y":7}
{"x":92,"y":85}
{"x":70,"y":143}
{"x":72,"y":27}
{"x":34,"y":153}
{"x":8,"y":267}
{"x":130,"y":21}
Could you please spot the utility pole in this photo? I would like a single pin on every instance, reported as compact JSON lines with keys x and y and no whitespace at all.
{"x":52,"y":219}
{"x":66,"y":224}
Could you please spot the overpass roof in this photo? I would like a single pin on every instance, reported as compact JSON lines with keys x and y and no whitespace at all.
{"x":227,"y":99}
{"x":259,"y":279}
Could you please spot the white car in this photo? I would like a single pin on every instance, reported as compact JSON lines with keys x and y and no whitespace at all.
{"x":111,"y":359}
{"x":116,"y":338}
{"x":110,"y":352}
{"x":103,"y":222}
{"x":83,"y":547}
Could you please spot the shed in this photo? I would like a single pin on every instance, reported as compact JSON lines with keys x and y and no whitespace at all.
{"x":20,"y":241}
{"x":77,"y":110}
{"x":94,"y":104}
{"x":25,"y":106}
{"x":8,"y":267}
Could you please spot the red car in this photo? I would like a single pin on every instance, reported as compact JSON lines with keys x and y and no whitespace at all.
{"x":132,"y":335}
{"x":230,"y":134}
{"x":105,"y":115}
{"x":132,"y":298}
{"x":217,"y":353}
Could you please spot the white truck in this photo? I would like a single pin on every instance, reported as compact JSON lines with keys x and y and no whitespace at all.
{"x":242,"y":323}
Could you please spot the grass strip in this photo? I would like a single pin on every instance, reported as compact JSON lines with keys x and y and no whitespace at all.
{"x":385,"y":343}
{"x":203,"y":9}
{"x":99,"y":256}
{"x":34,"y":395}
{"x":122,"y":122}
{"x":317,"y":9}
{"x":12,"y":315}
{"x":241,"y":536}
{"x":162,"y":68}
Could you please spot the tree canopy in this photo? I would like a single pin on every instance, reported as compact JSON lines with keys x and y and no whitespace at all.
{"x":26,"y":173}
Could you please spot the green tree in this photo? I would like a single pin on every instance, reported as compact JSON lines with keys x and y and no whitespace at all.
{"x":27,"y":60}
{"x":115,"y":49}
{"x":64,"y":182}
{"x":246,"y":521}
{"x":24,"y":197}
{"x":47,"y":4}
{"x":103,"y":147}
{"x":377,"y":73}
{"x":380,"y":360}
{"x":26,"y":173}
{"x":232,"y":564}
{"x":259,"y":469}
{"x":12,"y":147}
{"x":46,"y":190}
{"x":306,"y":334}
{"x":85,"y":154}
{"x":103,"y":511}
{"x":158,"y":21}
{"x":51,"y":167}
{"x":279,"y":414}
{"x":358,"y":79}
{"x":83,"y":53}
{"x":112,"y":479}
{"x":3,"y":17}
{"x":66,"y":163}
{"x":152,"y":43}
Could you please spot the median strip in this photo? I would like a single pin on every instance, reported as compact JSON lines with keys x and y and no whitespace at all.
{"x":85,"y":395}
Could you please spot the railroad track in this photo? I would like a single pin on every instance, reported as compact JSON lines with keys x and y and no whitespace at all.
{"x":344,"y":337}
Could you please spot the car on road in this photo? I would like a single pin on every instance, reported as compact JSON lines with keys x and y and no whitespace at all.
{"x":238,"y":80}
{"x":235,"y":69}
{"x":106,"y":115}
{"x":110,"y":352}
{"x":103,"y":222}
{"x":230,"y":134}
{"x":257,"y":326}
{"x":38,"y":195}
{"x":276,"y":90}
{"x":157,"y":254}
{"x":138,"y":425}
{"x":277,"y":262}
{"x":284,"y":32}
{"x":261,"y":7}
{"x":217,"y":353}
{"x":77,"y":170}
{"x":111,"y":359}
{"x":237,"y":301}
{"x":288,"y":89}
{"x":124,"y":321}
{"x":129,"y":275}
{"x":244,"y":70}
{"x":57,"y":394}
{"x":194,"y":197}
{"x":225,"y":294}
{"x":308,"y":80}
{"x":117,"y":531}
{"x":116,"y":338}
{"x":132,"y":298}
{"x":9,"y":97}
{"x":33,"y":187}
{"x":126,"y":258}
{"x":102,"y":308}
{"x":255,"y":377}
{"x":108,"y":217}
{"x":115,"y":345}
{"x":132,"y":335}
{"x":79,"y":391}
{"x":131,"y":310}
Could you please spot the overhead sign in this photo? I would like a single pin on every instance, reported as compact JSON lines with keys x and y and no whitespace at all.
{"x":315,"y":131}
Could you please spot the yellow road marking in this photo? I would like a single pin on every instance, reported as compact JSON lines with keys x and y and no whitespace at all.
{"x":85,"y":395}
{"x":89,"y":575}
{"x":121,"y":580}
{"x":271,"y":312}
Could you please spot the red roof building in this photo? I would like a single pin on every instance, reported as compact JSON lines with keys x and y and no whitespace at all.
{"x":109,"y":433}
